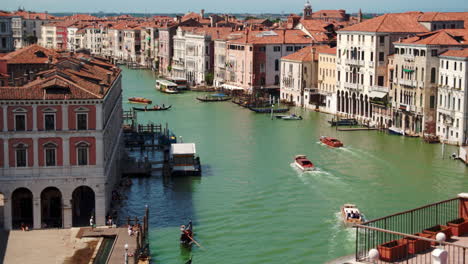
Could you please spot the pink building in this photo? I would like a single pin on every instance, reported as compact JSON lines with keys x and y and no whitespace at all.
{"x":60,"y":144}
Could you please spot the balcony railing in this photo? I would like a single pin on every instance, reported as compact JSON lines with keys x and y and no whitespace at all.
{"x":351,"y":86}
{"x":378,"y":88}
{"x":409,"y":236}
{"x":408,"y":83}
{"x":354,"y":62}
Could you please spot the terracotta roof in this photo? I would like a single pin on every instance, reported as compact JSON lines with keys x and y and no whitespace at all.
{"x":398,"y":22}
{"x":440,"y":37}
{"x":330,"y":13}
{"x":463,"y":53}
{"x":33,"y":54}
{"x":84,"y":17}
{"x":293,"y":36}
{"x":191,"y":15}
{"x":213,"y":32}
{"x":443,"y":16}
{"x":331,"y":51}
{"x":77,"y":77}
{"x":34,"y":15}
{"x":305,"y":54}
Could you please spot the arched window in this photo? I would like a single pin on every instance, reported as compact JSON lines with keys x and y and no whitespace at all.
{"x":50,"y":154}
{"x":276,"y":65}
{"x":21,"y":154}
{"x":276,"y":79}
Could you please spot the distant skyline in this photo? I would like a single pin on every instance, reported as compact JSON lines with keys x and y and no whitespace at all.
{"x":237,"y":6}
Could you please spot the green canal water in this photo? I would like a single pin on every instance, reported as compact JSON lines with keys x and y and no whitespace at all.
{"x":252,"y":206}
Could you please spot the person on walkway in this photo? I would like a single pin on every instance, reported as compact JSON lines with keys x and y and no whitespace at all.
{"x":91,"y":222}
{"x":130,"y":230}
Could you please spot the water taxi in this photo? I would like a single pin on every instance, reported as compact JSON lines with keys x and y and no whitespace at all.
{"x":303,"y":163}
{"x":351,"y":215}
{"x":331,"y":142}
{"x":166,"y":86}
{"x":219,"y":97}
{"x":140,"y":100}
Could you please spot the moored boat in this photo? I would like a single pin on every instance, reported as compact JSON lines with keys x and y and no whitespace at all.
{"x":303,"y":163}
{"x":214,"y":98}
{"x":343,"y":122}
{"x":166,"y":86}
{"x":154,"y":108}
{"x":332,"y":142}
{"x":351,"y":215}
{"x":268,"y":110}
{"x":139,"y":100}
{"x":292,"y":117}
{"x":396,"y":131}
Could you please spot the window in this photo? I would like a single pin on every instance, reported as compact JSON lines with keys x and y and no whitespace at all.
{"x":262,"y":49}
{"x":454,"y":66}
{"x":20,"y":122}
{"x":289,"y":48}
{"x":432,"y":102}
{"x":434,"y":53}
{"x":276,"y":65}
{"x":82,"y":121}
{"x":380,"y":81}
{"x":433,"y":75}
{"x":382,"y":40}
{"x":277,"y":48}
{"x":82,"y":153}
{"x":50,"y":151}
{"x":49,"y":121}
{"x":21,"y":156}
{"x":381,"y":56}
{"x":459,"y":104}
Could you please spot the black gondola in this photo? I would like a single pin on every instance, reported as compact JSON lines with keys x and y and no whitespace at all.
{"x":213,"y":99}
{"x":268,"y":110}
{"x":186,"y":235}
{"x":159,"y":108}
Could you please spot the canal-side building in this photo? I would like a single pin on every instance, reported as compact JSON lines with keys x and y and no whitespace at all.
{"x":60,"y":144}
{"x":6,"y":33}
{"x":166,"y":48}
{"x":325,"y":99}
{"x":452,"y":108}
{"x":414,"y":76}
{"x":26,"y":26}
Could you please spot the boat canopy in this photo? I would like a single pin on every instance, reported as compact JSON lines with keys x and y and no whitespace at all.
{"x":166,"y":82}
{"x":219,"y":95}
{"x":231,"y":87}
{"x":183,"y":149}
{"x":377,"y":94}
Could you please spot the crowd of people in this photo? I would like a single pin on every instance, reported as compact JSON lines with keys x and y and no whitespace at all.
{"x":353,"y":215}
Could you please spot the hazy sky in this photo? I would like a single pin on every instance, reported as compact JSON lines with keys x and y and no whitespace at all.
{"x":232,"y":6}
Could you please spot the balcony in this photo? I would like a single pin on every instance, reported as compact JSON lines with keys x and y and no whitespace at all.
{"x":377,"y":88}
{"x":371,"y":64}
{"x":408,"y":83}
{"x":408,"y":57}
{"x":353,"y":62}
{"x":409,"y":236}
{"x":352,"y":86}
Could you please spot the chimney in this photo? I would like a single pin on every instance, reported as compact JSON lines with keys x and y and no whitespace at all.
{"x":211,"y":21}
{"x":178,"y":19}
{"x":109,"y":77}
{"x":49,"y":61}
{"x":101,"y":88}
{"x":202,"y":13}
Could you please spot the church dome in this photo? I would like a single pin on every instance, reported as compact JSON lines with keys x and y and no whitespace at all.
{"x":307,"y":4}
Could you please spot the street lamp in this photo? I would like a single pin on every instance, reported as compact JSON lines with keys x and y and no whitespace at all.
{"x":126,"y":253}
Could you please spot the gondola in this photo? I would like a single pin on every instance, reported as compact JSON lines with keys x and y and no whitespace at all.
{"x":139,"y":100}
{"x":152,"y":108}
{"x":268,"y":110}
{"x":186,"y":235}
{"x":213,"y":99}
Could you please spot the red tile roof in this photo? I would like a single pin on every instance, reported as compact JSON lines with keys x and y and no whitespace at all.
{"x":398,"y":22}
{"x":33,"y":54}
{"x":293,"y":36}
{"x":305,"y":54}
{"x":331,"y":51}
{"x":443,"y":16}
{"x":34,"y":15}
{"x":77,"y":77}
{"x":463,"y":53}
{"x":440,"y":37}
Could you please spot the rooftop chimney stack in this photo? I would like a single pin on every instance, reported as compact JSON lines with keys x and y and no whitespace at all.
{"x":109,"y":77}
{"x":202,"y":13}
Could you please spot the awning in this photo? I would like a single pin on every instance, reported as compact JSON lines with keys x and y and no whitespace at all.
{"x":408,"y":70}
{"x":231,"y":87}
{"x":377,"y":94}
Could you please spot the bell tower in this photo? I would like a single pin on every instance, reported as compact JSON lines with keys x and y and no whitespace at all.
{"x":307,"y":11}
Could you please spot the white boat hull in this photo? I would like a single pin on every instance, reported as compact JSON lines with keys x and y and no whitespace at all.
{"x":303,"y":168}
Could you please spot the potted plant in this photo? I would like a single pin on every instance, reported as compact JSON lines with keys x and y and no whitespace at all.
{"x":393,"y":250}
{"x":438,"y":229}
{"x":459,"y":226}
{"x":416,"y":245}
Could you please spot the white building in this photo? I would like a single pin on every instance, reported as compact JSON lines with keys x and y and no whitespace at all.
{"x":452,"y":108}
{"x":6,"y":33}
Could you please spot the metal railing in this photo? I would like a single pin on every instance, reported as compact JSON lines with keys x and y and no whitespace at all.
{"x":408,"y":226}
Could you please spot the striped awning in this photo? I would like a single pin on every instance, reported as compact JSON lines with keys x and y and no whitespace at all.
{"x":231,"y":87}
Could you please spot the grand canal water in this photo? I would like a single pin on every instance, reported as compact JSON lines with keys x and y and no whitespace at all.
{"x":252,"y":206}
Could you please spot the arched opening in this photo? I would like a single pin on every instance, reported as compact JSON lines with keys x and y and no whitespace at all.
{"x":2,"y":213}
{"x":407,"y":123}
{"x":338,"y":101}
{"x":51,"y":208}
{"x":83,"y":204}
{"x":354,"y":103}
{"x":22,"y":208}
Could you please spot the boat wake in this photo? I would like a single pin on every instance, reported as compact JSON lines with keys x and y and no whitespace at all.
{"x":339,"y":234}
{"x":303,"y":175}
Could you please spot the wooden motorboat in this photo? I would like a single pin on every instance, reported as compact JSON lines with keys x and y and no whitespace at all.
{"x":154,"y":108}
{"x":186,"y":234}
{"x":292,"y":117}
{"x":140,"y":100}
{"x":332,"y":142}
{"x":351,"y":215}
{"x":396,"y":131}
{"x":214,"y":98}
{"x":343,"y":122}
{"x":303,"y":163}
{"x":268,"y":110}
